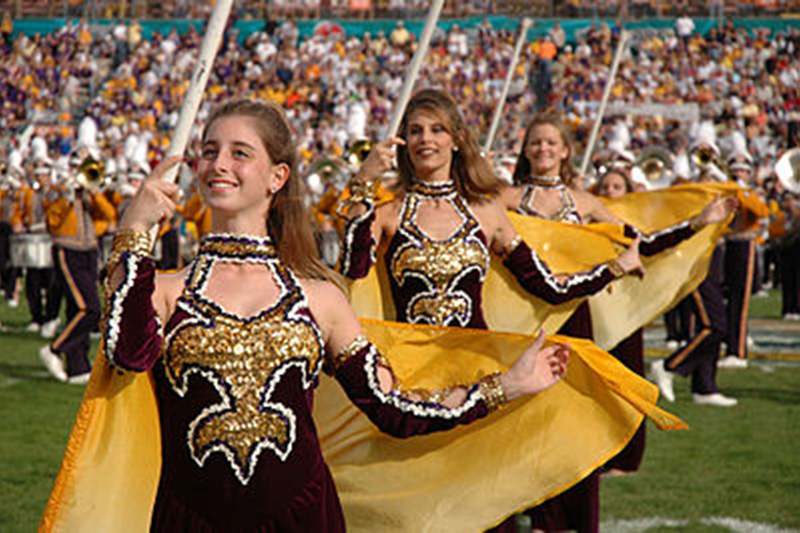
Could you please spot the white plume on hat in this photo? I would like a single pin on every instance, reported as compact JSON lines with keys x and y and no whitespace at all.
{"x":619,"y":144}
{"x":739,"y":148}
{"x":704,"y":134}
{"x":39,"y":151}
{"x":138,"y":166}
{"x":87,"y":136}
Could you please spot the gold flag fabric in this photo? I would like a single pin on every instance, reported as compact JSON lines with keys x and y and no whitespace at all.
{"x":461,"y":480}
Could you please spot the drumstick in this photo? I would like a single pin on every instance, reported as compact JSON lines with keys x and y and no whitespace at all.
{"x":197,"y":87}
{"x":413,"y":68}
{"x":498,"y":110}
{"x":623,"y":37}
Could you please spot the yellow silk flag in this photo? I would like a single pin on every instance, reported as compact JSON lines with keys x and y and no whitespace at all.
{"x":472,"y":477}
{"x":670,"y":275}
{"x":617,"y":311}
{"x":467,"y":478}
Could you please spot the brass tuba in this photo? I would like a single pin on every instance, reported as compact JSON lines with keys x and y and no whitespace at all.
{"x":656,"y":163}
{"x":788,"y":170}
{"x":91,"y":174}
{"x":358,"y":152}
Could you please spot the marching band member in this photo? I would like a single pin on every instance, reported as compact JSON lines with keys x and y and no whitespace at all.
{"x":740,"y":255}
{"x":40,"y":283}
{"x":698,"y":358}
{"x":10,"y":222}
{"x":71,"y":211}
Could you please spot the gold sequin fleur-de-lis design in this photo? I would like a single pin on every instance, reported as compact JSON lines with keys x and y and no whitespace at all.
{"x":244,"y":361}
{"x":440,"y":264}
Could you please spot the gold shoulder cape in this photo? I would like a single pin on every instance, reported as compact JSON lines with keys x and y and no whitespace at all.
{"x":466,"y":479}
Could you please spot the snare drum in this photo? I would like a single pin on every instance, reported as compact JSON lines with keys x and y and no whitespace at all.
{"x":31,"y":250}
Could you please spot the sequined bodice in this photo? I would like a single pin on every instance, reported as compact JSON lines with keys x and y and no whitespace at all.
{"x":250,"y":362}
{"x":438,"y":281}
{"x":568,"y":212}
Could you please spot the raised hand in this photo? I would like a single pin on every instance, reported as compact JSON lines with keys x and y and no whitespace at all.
{"x":155,"y":200}
{"x":379,"y":160}
{"x":536,"y":370}
{"x":717,"y":211}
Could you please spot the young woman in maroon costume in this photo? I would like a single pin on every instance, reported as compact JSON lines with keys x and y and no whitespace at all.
{"x":236,"y":341}
{"x":545,"y":185}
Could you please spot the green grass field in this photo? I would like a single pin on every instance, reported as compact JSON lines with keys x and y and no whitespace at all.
{"x":740,"y":464}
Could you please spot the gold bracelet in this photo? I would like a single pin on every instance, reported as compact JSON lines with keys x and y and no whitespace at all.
{"x":337,"y":360}
{"x":492,"y":391}
{"x":132,"y":241}
{"x":695,"y":224}
{"x":615,"y":268}
{"x":361,"y":190}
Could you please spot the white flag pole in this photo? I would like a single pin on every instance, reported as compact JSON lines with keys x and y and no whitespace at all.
{"x":587,"y":154}
{"x":498,"y":111}
{"x":413,"y":68}
{"x":197,"y":87}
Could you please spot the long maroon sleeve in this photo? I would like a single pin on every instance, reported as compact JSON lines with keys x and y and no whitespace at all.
{"x":659,"y":241}
{"x":392,"y":412}
{"x":536,"y":278}
{"x":358,"y":247}
{"x":132,"y":328}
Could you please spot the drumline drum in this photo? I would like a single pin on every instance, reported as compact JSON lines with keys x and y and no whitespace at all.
{"x":31,"y":250}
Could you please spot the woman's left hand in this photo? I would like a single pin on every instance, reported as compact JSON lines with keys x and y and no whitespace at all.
{"x":536,"y":370}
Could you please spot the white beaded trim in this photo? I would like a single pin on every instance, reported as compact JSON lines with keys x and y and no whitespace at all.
{"x":571,"y":281}
{"x":131,"y":266}
{"x":349,"y":237}
{"x":421,"y":409}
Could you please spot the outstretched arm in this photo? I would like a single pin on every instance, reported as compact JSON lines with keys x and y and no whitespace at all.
{"x":654,"y":243}
{"x":368,"y":379}
{"x":533,"y":273}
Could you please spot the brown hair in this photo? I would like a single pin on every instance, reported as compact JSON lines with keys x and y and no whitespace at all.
{"x":523,"y":169}
{"x":288,"y":221}
{"x":471,"y":172}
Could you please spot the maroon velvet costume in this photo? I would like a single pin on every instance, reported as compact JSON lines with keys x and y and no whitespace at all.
{"x":239,"y":448}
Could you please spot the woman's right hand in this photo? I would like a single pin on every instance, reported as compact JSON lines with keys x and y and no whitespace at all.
{"x":380,"y":160}
{"x":629,"y":260}
{"x":536,"y":370}
{"x":155,"y":200}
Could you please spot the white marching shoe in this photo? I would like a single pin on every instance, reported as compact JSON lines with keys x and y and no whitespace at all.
{"x":732,"y":361}
{"x":715,"y":398}
{"x":48,"y":329}
{"x":52,"y":361}
{"x":79,"y":379}
{"x":663,"y":378}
